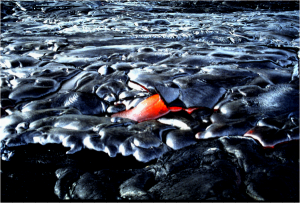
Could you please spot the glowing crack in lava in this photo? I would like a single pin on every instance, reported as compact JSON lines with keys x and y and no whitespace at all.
{"x":151,"y":108}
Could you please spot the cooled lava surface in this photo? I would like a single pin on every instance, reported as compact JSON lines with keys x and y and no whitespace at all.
{"x":149,"y":101}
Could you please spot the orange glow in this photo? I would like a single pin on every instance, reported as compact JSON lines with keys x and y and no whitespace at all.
{"x":151,"y":108}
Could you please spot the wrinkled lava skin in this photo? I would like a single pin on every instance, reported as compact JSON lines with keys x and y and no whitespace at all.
{"x":149,"y":101}
{"x":48,"y":77}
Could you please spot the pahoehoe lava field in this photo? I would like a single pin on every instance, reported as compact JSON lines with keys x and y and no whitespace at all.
{"x":149,"y":100}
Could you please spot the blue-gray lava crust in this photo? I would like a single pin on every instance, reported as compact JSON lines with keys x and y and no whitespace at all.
{"x":225,"y":126}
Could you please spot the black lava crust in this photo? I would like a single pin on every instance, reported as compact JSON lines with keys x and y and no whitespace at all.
{"x":149,"y":101}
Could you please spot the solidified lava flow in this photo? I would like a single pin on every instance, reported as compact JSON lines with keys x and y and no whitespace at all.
{"x":202,"y":79}
{"x":149,"y":100}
